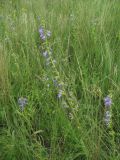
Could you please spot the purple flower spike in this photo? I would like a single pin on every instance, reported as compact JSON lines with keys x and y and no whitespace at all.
{"x":107,"y":101}
{"x":41,"y":31}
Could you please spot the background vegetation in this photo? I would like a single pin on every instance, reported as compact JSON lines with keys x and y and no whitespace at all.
{"x":85,"y":62}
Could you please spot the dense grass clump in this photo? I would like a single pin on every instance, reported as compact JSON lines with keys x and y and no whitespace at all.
{"x":59,"y":80}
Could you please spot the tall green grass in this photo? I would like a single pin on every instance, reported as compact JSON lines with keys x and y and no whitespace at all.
{"x":85,"y":42}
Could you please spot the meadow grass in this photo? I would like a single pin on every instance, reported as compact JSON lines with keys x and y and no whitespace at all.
{"x":62,"y":121}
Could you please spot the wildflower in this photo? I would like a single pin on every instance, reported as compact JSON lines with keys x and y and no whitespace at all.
{"x":41,"y":32}
{"x":107,"y":114}
{"x":58,"y":84}
{"x":45,"y":54}
{"x":48,"y":33}
{"x":43,"y":37}
{"x":107,"y":118}
{"x":22,"y":102}
{"x":60,"y":94}
{"x":107,"y":101}
{"x":107,"y":121}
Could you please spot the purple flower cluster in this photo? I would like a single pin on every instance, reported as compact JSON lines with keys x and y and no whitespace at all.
{"x":43,"y":34}
{"x":47,"y":54}
{"x":107,"y":103}
{"x":22,"y":102}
